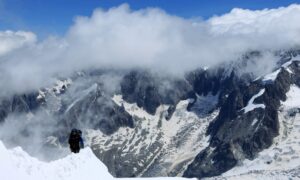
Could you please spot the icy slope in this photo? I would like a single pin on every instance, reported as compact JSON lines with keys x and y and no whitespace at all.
{"x":290,"y":174}
{"x":16,"y":164}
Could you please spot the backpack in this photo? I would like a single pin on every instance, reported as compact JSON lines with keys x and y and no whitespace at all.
{"x":76,"y":133}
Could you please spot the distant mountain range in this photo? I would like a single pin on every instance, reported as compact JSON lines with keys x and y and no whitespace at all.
{"x":139,"y":123}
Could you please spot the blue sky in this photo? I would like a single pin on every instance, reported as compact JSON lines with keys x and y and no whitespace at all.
{"x":46,"y":17}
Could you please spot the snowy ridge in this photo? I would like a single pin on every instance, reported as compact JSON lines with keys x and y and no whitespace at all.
{"x":58,"y":88}
{"x":272,"y":76}
{"x":16,"y":164}
{"x":51,"y":95}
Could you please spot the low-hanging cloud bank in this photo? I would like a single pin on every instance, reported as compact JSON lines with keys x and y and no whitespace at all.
{"x":149,"y":38}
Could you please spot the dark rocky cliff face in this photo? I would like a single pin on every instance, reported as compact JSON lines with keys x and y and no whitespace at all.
{"x":149,"y":91}
{"x":97,"y":111}
{"x":236,"y":135}
{"x":18,"y":104}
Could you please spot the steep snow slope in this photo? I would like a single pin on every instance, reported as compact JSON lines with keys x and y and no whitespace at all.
{"x":16,"y":164}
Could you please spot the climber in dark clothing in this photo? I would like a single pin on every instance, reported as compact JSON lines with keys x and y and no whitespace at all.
{"x":75,"y":140}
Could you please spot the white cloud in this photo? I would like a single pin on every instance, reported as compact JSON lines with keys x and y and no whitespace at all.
{"x":10,"y":40}
{"x":268,"y":28}
{"x":148,"y":38}
{"x":152,"y":38}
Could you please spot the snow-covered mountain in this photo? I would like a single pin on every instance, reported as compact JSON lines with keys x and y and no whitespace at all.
{"x":156,"y":146}
{"x":221,"y":121}
{"x":17,"y":164}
